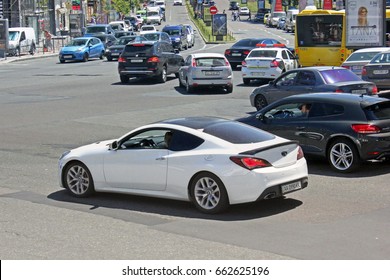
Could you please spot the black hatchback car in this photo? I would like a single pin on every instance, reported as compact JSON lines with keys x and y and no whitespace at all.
{"x":237,"y":53}
{"x":344,"y":128}
{"x":149,"y":59}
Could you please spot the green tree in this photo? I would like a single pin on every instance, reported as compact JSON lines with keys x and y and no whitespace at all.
{"x":121,"y":6}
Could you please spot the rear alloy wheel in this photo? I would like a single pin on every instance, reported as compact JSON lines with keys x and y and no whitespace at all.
{"x":208,"y":193}
{"x":162,"y":78}
{"x":189,"y":88}
{"x":343,"y":155}
{"x":124,"y":79}
{"x":78,"y":180}
{"x":260,"y":102}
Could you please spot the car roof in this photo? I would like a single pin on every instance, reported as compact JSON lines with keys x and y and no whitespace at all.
{"x":341,"y":98}
{"x":200,"y":55}
{"x":198,"y":123}
{"x":321,"y":68}
{"x":381,"y":49}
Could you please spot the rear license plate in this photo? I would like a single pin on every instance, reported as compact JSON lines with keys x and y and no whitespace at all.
{"x":68,"y":56}
{"x":380,"y":72}
{"x":357,"y":68}
{"x":211,"y":73}
{"x":136,"y":60}
{"x":359,"y":91}
{"x":236,"y":54}
{"x":257,"y":74}
{"x":291,"y":187}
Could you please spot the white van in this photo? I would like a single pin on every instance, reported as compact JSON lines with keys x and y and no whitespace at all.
{"x":21,"y":40}
{"x":290,"y":20}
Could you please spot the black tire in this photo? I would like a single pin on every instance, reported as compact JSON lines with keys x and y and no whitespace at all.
{"x":85,"y":57}
{"x":260,"y":102}
{"x":343,"y":155}
{"x":124,"y":79}
{"x":229,"y":89}
{"x":109,"y":58}
{"x":177,"y":74}
{"x":246,"y":81}
{"x":101,"y":55}
{"x":189,"y":88}
{"x":181,"y":83}
{"x":208,"y":193}
{"x":32,"y":49}
{"x":78,"y":180}
{"x":162,"y":78}
{"x":62,"y":60}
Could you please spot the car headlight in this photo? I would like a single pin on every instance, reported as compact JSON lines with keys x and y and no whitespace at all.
{"x":177,"y":39}
{"x":79,"y":49}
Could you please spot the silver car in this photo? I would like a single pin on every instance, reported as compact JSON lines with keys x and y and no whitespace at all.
{"x":359,"y":58}
{"x":378,"y":70}
{"x":206,"y":70}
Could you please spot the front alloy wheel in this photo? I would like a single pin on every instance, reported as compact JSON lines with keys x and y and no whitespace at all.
{"x":78,"y":180}
{"x":260,"y":102}
{"x":343,"y":156}
{"x":208,"y":193}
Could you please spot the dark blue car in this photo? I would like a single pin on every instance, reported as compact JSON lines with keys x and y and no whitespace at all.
{"x":178,"y":35}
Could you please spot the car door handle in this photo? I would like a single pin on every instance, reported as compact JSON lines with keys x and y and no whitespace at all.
{"x":160,"y":158}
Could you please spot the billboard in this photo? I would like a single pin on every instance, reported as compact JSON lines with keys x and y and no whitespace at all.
{"x":219,"y":27}
{"x":365,"y":21}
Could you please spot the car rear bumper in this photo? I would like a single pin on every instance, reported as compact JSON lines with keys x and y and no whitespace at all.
{"x":262,"y":73}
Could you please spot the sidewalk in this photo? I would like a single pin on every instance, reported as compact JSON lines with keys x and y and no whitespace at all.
{"x":22,"y":57}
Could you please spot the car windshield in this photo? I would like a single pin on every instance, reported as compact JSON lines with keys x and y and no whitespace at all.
{"x":381,"y":58}
{"x":173,"y":32}
{"x":151,"y":14}
{"x":279,"y":14}
{"x":147,"y":28}
{"x":124,"y":41}
{"x":238,"y":133}
{"x":363,"y":56}
{"x":95,"y":29}
{"x":77,"y":42}
{"x":339,"y":75}
{"x":210,"y":61}
{"x":262,"y":53}
{"x":13,"y":35}
{"x":152,"y":37}
{"x":138,"y":49}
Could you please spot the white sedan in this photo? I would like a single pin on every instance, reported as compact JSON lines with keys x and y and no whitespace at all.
{"x":209,"y":161}
{"x":206,"y":70}
{"x":267,"y":63}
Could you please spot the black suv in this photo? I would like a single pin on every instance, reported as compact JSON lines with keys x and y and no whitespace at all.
{"x":178,"y":35}
{"x":149,"y":59}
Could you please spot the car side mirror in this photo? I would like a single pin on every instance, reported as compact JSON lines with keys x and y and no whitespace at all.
{"x":113,"y":146}
{"x":271,"y":83}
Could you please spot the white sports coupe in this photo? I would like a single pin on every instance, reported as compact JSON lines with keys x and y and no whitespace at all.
{"x":209,"y":161}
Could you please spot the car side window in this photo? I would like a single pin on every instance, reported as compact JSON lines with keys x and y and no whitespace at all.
{"x":287,"y":80}
{"x":290,"y":55}
{"x":306,"y":78}
{"x":182,"y":141}
{"x":284,"y":55}
{"x":285,"y":111}
{"x":326,"y":109}
{"x":188,"y":60}
{"x":147,"y":139}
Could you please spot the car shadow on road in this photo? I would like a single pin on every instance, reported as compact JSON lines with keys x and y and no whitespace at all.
{"x":201,"y":91}
{"x":103,"y":203}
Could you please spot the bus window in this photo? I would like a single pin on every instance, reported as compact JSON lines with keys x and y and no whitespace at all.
{"x":322,"y":31}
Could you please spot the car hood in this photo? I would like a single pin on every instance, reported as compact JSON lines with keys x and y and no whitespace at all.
{"x":92,"y":148}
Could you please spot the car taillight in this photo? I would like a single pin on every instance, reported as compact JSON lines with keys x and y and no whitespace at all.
{"x":193,"y":62}
{"x":227,"y":62}
{"x":374,"y":90}
{"x":300,"y":153}
{"x":364,"y":71}
{"x":250,"y":163}
{"x":274,"y":63}
{"x":228,"y":52}
{"x":153,"y":59}
{"x":366,"y":128}
{"x":243,"y":63}
{"x":121,"y":59}
{"x":246,"y":52}
{"x":339,"y":90}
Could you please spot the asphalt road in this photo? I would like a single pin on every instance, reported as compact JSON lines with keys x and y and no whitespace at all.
{"x":47,"y":107}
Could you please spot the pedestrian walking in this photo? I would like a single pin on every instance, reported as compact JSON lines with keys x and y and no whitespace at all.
{"x":249,"y":16}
